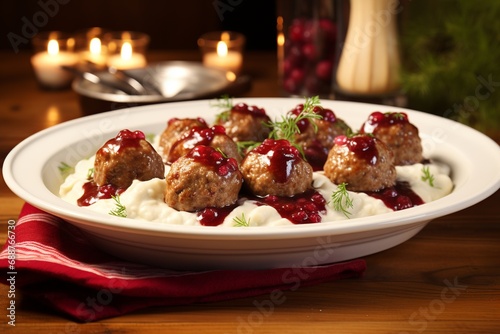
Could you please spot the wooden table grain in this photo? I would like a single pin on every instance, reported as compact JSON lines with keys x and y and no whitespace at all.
{"x":446,"y":279}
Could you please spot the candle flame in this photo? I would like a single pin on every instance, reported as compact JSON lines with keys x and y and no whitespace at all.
{"x":95,"y":46}
{"x":126,"y":36}
{"x":225,"y":36}
{"x":221,"y":49}
{"x":126,"y":51}
{"x":53,"y":47}
{"x":281,"y":39}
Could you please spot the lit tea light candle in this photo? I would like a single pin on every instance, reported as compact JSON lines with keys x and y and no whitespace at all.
{"x":127,"y":59}
{"x":223,"y":58}
{"x":95,"y":54}
{"x":47,"y":66}
{"x":225,"y":53}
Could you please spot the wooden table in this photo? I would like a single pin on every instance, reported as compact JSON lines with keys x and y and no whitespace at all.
{"x":445,"y":279}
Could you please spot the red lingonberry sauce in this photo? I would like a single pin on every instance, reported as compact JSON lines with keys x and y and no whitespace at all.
{"x":362,"y":145}
{"x":199,"y":136}
{"x":213,"y":216}
{"x":124,"y":139}
{"x":282,"y":156}
{"x":92,"y":193}
{"x":327,"y":115}
{"x":303,"y":208}
{"x":244,"y":108}
{"x":398,"y":197}
{"x":316,"y":155}
{"x":208,"y":156}
{"x":379,"y":119}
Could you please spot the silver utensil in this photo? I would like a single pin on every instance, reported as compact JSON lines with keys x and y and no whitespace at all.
{"x":110,"y":81}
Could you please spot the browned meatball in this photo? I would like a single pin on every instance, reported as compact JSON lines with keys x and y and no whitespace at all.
{"x":362,"y":161}
{"x":125,"y":158}
{"x":175,"y":129}
{"x":215,"y":137}
{"x":202,"y":178}
{"x":394,"y":129}
{"x":316,"y":136}
{"x":276,"y":168}
{"x":245,"y":123}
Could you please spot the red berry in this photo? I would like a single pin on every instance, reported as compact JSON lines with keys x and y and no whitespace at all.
{"x":127,"y":134}
{"x":312,"y":84}
{"x":309,"y":32}
{"x":287,"y":65}
{"x":295,"y":56}
{"x":296,"y":31}
{"x":329,"y":30}
{"x":340,"y":140}
{"x":309,"y":51}
{"x":324,"y":70}
{"x":291,"y":86}
{"x":297,"y":75}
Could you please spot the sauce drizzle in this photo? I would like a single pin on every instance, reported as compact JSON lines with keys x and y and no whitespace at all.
{"x":92,"y":193}
{"x":398,"y":197}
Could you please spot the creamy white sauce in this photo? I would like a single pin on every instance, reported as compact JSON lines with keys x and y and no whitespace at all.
{"x":143,"y":200}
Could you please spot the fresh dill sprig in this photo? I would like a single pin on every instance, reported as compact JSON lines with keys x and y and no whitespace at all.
{"x":90,"y":174}
{"x":225,"y":104}
{"x":241,"y":221}
{"x":341,"y":200}
{"x":224,"y":155}
{"x":427,"y":176}
{"x":347,"y":129}
{"x":289,"y":124}
{"x":65,"y":169}
{"x":150,"y":137}
{"x":397,"y":115}
{"x":244,"y":146}
{"x":120,"y":210}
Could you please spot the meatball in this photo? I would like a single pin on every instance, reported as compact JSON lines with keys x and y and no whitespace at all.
{"x":202,"y":178}
{"x":215,"y":137}
{"x":276,"y":168}
{"x":316,"y":136}
{"x":126,"y":157}
{"x":363,"y":162}
{"x":245,"y":123}
{"x":175,"y":129}
{"x":394,"y":129}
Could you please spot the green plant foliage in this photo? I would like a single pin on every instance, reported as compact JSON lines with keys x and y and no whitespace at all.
{"x":450,"y":52}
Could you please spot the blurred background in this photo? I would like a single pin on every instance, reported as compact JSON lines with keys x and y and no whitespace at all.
{"x":449,"y":48}
{"x":172,"y":25}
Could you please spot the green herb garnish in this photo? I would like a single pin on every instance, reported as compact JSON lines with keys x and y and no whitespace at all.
{"x":427,"y":176}
{"x":288,"y":126}
{"x":120,"y":210}
{"x":150,"y":137}
{"x":224,"y":155}
{"x":241,"y":221}
{"x":90,"y":174}
{"x":341,"y":200}
{"x":65,"y":169}
{"x":225,"y":104}
{"x":244,"y":146}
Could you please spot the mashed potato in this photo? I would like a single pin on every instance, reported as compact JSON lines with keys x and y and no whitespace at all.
{"x":143,"y":200}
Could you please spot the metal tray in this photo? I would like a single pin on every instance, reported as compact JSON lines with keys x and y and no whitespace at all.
{"x":175,"y":81}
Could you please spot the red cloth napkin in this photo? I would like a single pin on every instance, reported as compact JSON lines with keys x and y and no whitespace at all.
{"x":57,"y":265}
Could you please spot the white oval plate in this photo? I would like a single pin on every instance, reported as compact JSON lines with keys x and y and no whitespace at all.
{"x":31,"y":172}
